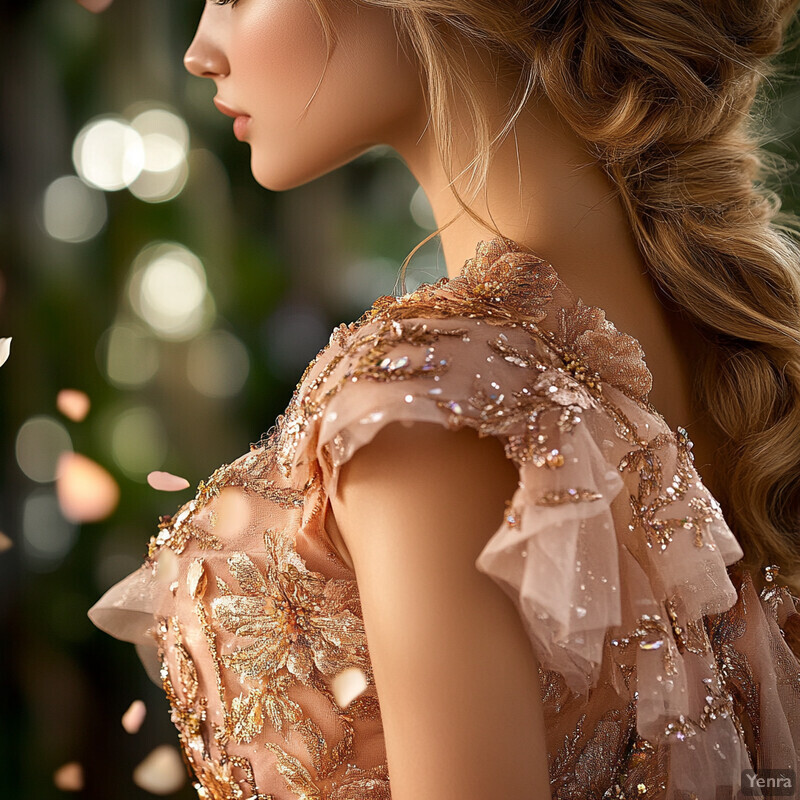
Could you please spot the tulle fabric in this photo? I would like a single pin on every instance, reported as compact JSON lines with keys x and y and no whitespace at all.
{"x":662,"y":670}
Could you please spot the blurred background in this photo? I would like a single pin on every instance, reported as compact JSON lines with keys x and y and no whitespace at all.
{"x":163,"y":307}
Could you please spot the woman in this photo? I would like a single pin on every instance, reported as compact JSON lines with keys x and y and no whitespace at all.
{"x":483,"y":479}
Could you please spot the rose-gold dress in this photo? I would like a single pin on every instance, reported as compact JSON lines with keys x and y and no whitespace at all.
{"x":663,"y":673}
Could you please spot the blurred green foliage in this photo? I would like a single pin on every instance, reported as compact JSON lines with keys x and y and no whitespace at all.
{"x":300,"y":261}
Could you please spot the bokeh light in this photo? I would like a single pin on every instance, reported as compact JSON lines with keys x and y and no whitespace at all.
{"x":159,"y":187}
{"x":128,"y":355}
{"x":72,"y":211}
{"x":40,"y":442}
{"x":108,"y":154}
{"x":165,"y":137}
{"x":217,"y":364}
{"x":168,"y":291}
{"x":47,"y":536}
{"x":139,"y":442}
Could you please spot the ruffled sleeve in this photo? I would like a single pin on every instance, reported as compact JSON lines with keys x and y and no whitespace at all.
{"x":611,"y":547}
{"x":127,"y":611}
{"x":572,"y":531}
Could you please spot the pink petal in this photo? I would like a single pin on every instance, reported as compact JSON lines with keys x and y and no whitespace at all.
{"x":133,"y":718}
{"x":347,"y":685}
{"x":5,"y":350}
{"x":73,"y":404}
{"x":69,"y":778}
{"x":86,"y":492}
{"x":233,"y":512}
{"x":162,"y":772}
{"x":167,"y":482}
{"x":95,"y":6}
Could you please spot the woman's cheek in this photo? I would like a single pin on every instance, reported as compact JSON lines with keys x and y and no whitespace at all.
{"x":281,"y":50}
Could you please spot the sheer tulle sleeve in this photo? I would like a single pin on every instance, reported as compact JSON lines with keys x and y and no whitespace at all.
{"x":612,"y":549}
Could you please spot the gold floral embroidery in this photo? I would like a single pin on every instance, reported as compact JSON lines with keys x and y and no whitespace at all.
{"x":571,"y":495}
{"x":514,"y":284}
{"x":305,"y":627}
{"x":299,"y":619}
{"x":503,"y":285}
{"x":644,"y":773}
{"x":368,"y":353}
{"x":646,"y":462}
{"x":616,"y":356}
{"x":651,"y":633}
{"x":252,"y":472}
{"x":214,"y":776}
{"x":690,"y":636}
{"x":521,"y":286}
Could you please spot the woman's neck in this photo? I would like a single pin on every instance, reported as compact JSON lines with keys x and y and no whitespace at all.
{"x":547,"y":193}
{"x":544,"y":191}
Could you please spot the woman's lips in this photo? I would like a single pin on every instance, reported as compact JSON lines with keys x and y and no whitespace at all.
{"x":241,"y":120}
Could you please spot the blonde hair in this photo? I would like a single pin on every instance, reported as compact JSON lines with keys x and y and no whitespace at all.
{"x":663,"y":92}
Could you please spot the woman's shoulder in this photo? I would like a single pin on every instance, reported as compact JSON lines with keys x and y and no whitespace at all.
{"x":502,"y":338}
{"x":604,"y":482}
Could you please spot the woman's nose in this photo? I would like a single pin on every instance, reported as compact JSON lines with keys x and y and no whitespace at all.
{"x":205,"y":57}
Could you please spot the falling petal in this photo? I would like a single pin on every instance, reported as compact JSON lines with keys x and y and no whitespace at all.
{"x":166,"y":567}
{"x":95,"y":6}
{"x":73,"y":404}
{"x":5,"y":543}
{"x":166,"y":482}
{"x":162,"y":772}
{"x":5,"y":350}
{"x":232,"y":512}
{"x":347,"y":685}
{"x":196,"y":580}
{"x":133,"y":718}
{"x":86,"y":491}
{"x":69,"y":778}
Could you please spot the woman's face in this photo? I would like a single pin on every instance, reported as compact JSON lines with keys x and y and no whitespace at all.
{"x":266,"y":58}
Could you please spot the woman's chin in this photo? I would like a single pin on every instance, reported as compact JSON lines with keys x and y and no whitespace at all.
{"x":273,"y":176}
{"x":291,"y":169}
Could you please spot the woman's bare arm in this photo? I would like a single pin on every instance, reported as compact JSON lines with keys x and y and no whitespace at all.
{"x":456,"y":676}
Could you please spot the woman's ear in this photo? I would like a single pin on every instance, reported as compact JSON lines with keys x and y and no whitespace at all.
{"x":95,"y":6}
